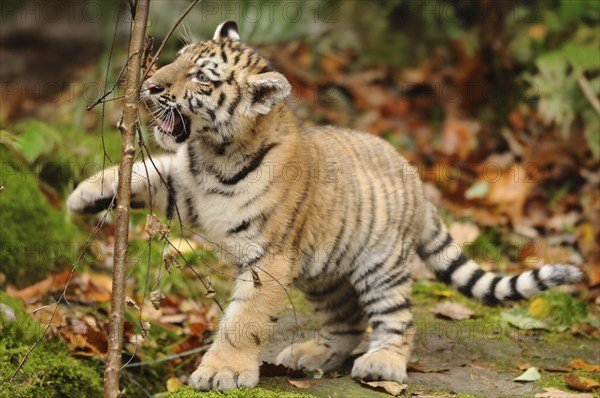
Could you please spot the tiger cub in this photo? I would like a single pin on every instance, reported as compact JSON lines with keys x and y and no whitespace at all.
{"x":335,"y":212}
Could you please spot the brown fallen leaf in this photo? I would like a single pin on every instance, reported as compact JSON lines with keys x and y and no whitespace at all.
{"x":173,"y":384}
{"x":173,"y":318}
{"x":510,"y":191}
{"x":583,"y":365}
{"x":419,"y":369}
{"x":304,"y":384}
{"x":451,"y":310}
{"x":83,"y":340}
{"x":590,"y":382}
{"x":556,"y":393}
{"x":556,"y":370}
{"x":41,"y":289}
{"x":523,"y":366}
{"x":581,"y":384}
{"x":391,"y":387}
{"x":464,"y":232}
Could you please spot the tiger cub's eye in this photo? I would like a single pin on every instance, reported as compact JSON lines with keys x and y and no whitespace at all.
{"x":201,"y":77}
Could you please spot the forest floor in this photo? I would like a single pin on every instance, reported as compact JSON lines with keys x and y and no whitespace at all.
{"x":462,"y":348}
{"x":478,"y":357}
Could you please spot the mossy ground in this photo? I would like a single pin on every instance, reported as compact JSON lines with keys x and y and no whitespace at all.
{"x":35,"y":238}
{"x":50,"y":371}
{"x":188,"y":392}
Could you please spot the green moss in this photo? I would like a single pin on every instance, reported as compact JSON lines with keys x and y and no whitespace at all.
{"x":557,"y":380}
{"x":50,"y":371}
{"x":35,"y":238}
{"x":563,"y":308}
{"x":188,"y":392}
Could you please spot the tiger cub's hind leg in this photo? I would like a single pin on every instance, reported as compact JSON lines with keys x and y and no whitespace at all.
{"x":343,"y":324}
{"x":384,"y":296}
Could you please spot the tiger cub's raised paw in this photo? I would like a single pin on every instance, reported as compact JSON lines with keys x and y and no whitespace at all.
{"x":94,"y":194}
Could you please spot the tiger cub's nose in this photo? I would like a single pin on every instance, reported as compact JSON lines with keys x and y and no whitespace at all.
{"x":154,"y":88}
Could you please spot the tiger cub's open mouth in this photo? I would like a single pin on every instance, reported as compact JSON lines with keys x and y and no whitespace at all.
{"x":177,"y":126}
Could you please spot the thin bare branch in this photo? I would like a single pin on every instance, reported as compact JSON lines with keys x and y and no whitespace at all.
{"x":169,"y":34}
{"x":168,"y":357}
{"x":127,"y":126}
{"x":588,"y":91}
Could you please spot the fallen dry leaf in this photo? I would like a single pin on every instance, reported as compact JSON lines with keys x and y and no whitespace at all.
{"x":419,"y":369}
{"x":556,"y":393}
{"x":174,"y":318}
{"x":173,"y":384}
{"x":451,"y":310}
{"x":84,"y":340}
{"x":510,"y":192}
{"x":304,"y":384}
{"x":464,"y":232}
{"x":523,"y":366}
{"x":583,"y":365}
{"x":590,"y":382}
{"x":530,"y":374}
{"x":41,"y":289}
{"x":581,"y":384}
{"x":540,"y":308}
{"x":391,"y":387}
{"x":197,"y":328}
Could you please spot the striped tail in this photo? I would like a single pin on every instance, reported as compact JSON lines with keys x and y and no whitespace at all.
{"x":446,"y":259}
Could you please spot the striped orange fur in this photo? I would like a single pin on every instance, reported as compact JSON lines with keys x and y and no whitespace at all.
{"x":335,"y":212}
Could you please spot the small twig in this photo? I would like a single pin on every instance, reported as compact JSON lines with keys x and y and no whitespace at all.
{"x":136,"y":383}
{"x":194,"y":271}
{"x":588,"y":91}
{"x":168,"y":357}
{"x":169,"y":34}
{"x":101,"y":100}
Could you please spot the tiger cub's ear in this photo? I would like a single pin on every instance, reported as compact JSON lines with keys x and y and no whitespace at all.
{"x":265,"y":90}
{"x":227,"y":29}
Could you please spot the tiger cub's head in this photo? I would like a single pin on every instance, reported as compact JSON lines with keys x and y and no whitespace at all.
{"x":212,"y":90}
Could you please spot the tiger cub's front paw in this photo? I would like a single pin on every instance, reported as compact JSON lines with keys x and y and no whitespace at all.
{"x":310,"y":355}
{"x":92,"y":195}
{"x":225,"y":372}
{"x":95,"y":193}
{"x":384,"y":365}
